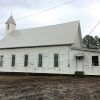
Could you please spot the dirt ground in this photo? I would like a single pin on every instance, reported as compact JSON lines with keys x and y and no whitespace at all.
{"x":49,"y":88}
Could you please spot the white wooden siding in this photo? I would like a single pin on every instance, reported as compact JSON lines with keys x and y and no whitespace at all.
{"x":48,"y":60}
{"x":67,"y":60}
{"x":88,"y":68}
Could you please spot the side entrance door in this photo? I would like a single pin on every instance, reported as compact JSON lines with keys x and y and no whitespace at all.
{"x":79,"y":64}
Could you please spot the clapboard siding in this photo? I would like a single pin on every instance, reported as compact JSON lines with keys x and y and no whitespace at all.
{"x":67,"y":60}
{"x":48,"y":60}
{"x":88,"y":68}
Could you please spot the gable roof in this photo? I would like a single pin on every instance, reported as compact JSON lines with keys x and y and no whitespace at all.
{"x":11,"y":20}
{"x":49,"y":35}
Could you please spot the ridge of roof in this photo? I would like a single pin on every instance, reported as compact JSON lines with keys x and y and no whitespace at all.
{"x":49,"y":25}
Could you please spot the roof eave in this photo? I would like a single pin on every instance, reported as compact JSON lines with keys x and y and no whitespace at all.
{"x":35,"y":46}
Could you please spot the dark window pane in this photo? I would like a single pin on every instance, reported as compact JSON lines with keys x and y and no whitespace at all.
{"x":8,"y":27}
{"x":1,"y":60}
{"x":95,"y":61}
{"x":55,"y":60}
{"x":26,"y":60}
{"x":13,"y":60}
{"x":40,"y":60}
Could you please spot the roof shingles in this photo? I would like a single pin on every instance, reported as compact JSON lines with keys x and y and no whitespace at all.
{"x":49,"y":35}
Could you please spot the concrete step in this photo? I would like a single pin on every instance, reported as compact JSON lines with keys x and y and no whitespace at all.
{"x":79,"y":73}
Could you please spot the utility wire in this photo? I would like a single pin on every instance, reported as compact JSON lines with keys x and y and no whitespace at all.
{"x":97,"y":24}
{"x":45,"y":10}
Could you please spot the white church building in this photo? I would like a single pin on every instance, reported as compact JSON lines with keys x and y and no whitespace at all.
{"x":55,"y":49}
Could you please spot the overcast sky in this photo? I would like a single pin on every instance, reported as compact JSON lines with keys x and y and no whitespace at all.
{"x":86,"y":11}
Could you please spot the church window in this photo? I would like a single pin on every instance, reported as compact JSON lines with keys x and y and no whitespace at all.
{"x":95,"y":61}
{"x":13,"y":60}
{"x":26,"y":60}
{"x":56,"y":60}
{"x":40,"y":60}
{"x":1,"y":60}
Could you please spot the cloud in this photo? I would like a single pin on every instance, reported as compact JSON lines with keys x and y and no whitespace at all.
{"x":54,"y":16}
{"x":85,"y":11}
{"x":29,"y":3}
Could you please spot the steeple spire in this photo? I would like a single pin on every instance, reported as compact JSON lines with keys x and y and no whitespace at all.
{"x":11,"y":20}
{"x":10,"y":25}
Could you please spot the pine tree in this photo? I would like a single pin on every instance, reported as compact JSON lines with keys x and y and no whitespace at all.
{"x":90,"y":42}
{"x":97,"y":40}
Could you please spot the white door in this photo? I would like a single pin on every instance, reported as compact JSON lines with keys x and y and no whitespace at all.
{"x":79,"y":64}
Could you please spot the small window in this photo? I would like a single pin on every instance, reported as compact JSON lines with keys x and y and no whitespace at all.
{"x":1,"y":60}
{"x":13,"y":60}
{"x":55,"y":60}
{"x":95,"y":61}
{"x":40,"y":60}
{"x":8,"y":27}
{"x":26,"y":60}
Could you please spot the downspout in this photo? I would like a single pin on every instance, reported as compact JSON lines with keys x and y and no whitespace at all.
{"x":68,"y":58}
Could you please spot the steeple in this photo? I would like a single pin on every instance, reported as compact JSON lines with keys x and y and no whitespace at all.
{"x":10,"y":25}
